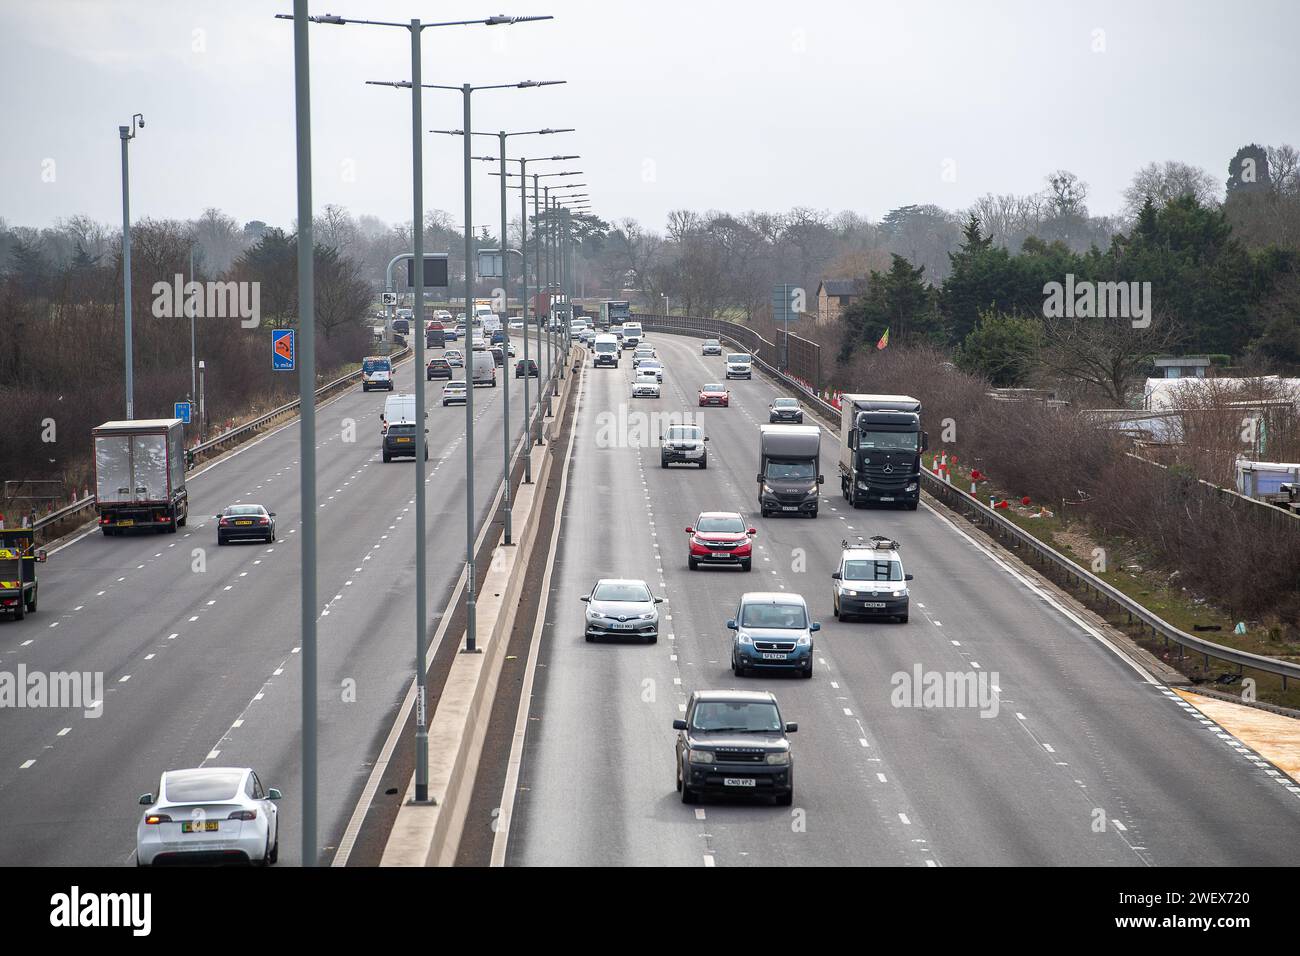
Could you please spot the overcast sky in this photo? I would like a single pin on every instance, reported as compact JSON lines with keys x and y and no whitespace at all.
{"x":704,"y":105}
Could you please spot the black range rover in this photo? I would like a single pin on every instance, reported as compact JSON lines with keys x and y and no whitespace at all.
{"x":734,"y":741}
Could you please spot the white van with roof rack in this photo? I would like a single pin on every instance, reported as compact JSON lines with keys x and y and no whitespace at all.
{"x":870,"y":581}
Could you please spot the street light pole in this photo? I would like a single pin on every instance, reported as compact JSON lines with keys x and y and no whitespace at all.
{"x":523,"y":272}
{"x":126,"y":134}
{"x":471,"y":624}
{"x":306,"y":426}
{"x":421,"y":441}
{"x":505,"y":345}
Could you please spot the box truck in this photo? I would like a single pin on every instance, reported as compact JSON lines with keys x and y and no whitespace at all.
{"x":789,"y":469}
{"x":140,"y":475}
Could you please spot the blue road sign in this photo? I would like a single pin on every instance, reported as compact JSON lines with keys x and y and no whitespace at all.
{"x":282,"y":350}
{"x":181,"y":410}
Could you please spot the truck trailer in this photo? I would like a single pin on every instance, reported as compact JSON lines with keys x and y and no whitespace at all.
{"x":880,"y":450}
{"x":789,"y":469}
{"x":140,"y":475}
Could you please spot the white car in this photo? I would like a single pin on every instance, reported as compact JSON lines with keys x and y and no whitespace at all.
{"x":739,"y":365}
{"x":622,"y":607}
{"x":652,"y":366}
{"x":209,"y":813}
{"x":453,"y":393}
{"x":645,"y":385}
{"x":711,"y":347}
{"x":455,"y":358}
{"x":510,"y":348}
{"x":516,"y":325}
{"x":641,"y":353}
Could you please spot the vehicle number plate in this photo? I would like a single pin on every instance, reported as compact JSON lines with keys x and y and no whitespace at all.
{"x":208,"y":826}
{"x":621,"y":627}
{"x":883,"y":498}
{"x":873,"y":603}
{"x":789,"y":507}
{"x":720,"y":554}
{"x":126,"y":523}
{"x":738,"y":781}
{"x":773,"y":657}
{"x":243,"y":522}
{"x":403,"y":441}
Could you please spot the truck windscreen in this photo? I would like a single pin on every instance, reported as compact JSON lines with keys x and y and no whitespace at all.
{"x":889,"y":441}
{"x":790,"y":470}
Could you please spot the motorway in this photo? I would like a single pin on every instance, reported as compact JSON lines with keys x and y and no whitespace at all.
{"x":1088,"y":759}
{"x":198,"y":644}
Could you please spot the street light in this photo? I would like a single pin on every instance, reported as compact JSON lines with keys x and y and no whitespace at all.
{"x":467,"y":90}
{"x":506,"y":504}
{"x":126,"y":134}
{"x":307,"y":387}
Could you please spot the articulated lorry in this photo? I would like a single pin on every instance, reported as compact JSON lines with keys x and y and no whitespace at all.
{"x":789,"y":469}
{"x":140,"y":475}
{"x":880,"y":449}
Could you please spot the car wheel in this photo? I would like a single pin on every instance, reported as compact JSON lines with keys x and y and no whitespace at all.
{"x":220,"y":541}
{"x":902,"y":619}
{"x":912,"y":505}
{"x":663,"y":462}
{"x":274,"y":855}
{"x":652,"y":639}
{"x":747,"y":564}
{"x":785,"y":799}
{"x":808,"y":671}
{"x":692,"y":564}
{"x":31,"y":605}
{"x":704,"y":462}
{"x":679,"y":776}
{"x":737,"y":669}
{"x":20,"y":611}
{"x":813,"y":513}
{"x":591,"y":639}
{"x":835,"y":609}
{"x":387,"y":457}
{"x":689,"y":795}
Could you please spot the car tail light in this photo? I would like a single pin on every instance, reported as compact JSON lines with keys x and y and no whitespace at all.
{"x":263,"y":520}
{"x":156,"y":818}
{"x":243,"y":815}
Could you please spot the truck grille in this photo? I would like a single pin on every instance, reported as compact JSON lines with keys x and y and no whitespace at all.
{"x":899,"y":475}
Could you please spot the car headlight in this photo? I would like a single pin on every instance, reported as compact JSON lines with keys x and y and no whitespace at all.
{"x":779,"y":760}
{"x":743,"y":638}
{"x":803,"y":640}
{"x":700,"y":756}
{"x":649,"y":616}
{"x":902,"y":593}
{"x":848,"y":593}
{"x":911,"y":486}
{"x":594,"y":615}
{"x":767,"y":490}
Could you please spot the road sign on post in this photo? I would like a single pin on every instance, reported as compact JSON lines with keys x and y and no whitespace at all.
{"x":182,"y":410}
{"x":389,"y":298}
{"x":283,"y":354}
{"x":490,"y":264}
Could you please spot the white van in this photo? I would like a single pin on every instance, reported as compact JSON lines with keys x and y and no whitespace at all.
{"x":376,"y":372}
{"x":485,"y":369}
{"x":605,"y":351}
{"x":632,"y":335}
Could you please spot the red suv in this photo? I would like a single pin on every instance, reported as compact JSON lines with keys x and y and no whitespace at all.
{"x":720,"y":537}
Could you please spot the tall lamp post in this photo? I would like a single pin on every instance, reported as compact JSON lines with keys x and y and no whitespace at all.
{"x":467,"y":90}
{"x":502,"y":136}
{"x":416,"y":29}
{"x":126,"y":134}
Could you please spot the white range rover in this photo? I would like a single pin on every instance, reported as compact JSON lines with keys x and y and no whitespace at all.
{"x":645,"y":385}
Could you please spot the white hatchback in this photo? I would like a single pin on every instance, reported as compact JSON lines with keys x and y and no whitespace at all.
{"x":209,"y":814}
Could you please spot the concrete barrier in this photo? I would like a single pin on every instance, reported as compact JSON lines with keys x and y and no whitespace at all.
{"x":429,"y":834}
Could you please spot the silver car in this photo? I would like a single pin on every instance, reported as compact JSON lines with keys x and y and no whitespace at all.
{"x":622,"y":607}
{"x":711,"y":347}
{"x":454,"y":392}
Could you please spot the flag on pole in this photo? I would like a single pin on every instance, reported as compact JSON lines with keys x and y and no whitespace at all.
{"x":884,"y":340}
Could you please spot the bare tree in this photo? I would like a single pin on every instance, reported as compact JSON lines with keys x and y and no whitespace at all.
{"x":1105,"y":354}
{"x":1168,"y":180}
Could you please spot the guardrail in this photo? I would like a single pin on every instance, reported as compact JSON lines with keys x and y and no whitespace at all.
{"x":803,"y":360}
{"x":1021,"y":540}
{"x":223,"y":439}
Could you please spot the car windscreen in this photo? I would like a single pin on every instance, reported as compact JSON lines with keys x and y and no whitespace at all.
{"x":244,"y":510}
{"x":790,"y":470}
{"x":715,"y":387}
{"x":605,"y":346}
{"x":737,"y":716}
{"x":649,"y":366}
{"x":712,"y":342}
{"x":867,"y":570}
{"x":717,"y":525}
{"x":203,"y":786}
{"x":737,"y":357}
{"x":774,"y":615}
{"x":622,"y":592}
{"x":683,"y":433}
{"x":785,"y":403}
{"x":376,"y":365}
{"x":888,"y":441}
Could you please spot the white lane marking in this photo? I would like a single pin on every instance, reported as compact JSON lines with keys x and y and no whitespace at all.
{"x":124,"y":678}
{"x":903,"y":817}
{"x":64,"y":732}
{"x":708,"y":859}
{"x":27,"y":764}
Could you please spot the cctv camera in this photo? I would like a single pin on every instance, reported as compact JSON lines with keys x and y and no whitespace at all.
{"x":142,"y":122}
